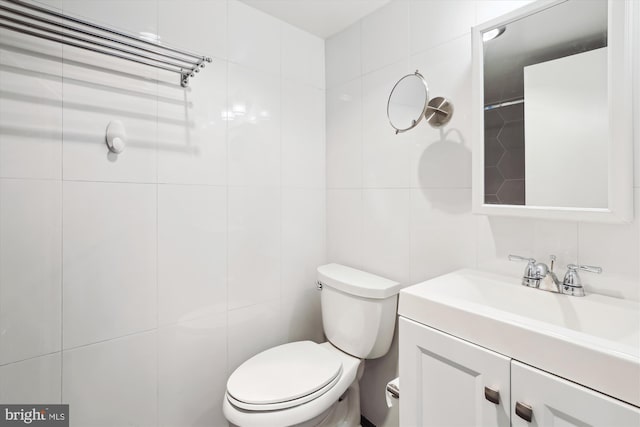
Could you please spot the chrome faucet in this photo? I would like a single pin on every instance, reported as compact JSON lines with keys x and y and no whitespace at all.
{"x":537,"y":273}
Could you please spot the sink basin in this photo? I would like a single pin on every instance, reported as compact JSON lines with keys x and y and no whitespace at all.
{"x":592,"y":340}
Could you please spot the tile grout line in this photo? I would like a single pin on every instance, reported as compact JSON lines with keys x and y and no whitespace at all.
{"x":361,"y":136}
{"x":411,"y":193}
{"x":62,"y":192}
{"x":227,"y":162}
{"x":281,"y":192}
{"x":157,"y":236}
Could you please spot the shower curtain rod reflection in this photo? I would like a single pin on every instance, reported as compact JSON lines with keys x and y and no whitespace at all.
{"x":503,"y":104}
{"x":93,"y":38}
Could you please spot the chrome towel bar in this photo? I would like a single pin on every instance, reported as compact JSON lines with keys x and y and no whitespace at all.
{"x":97,"y":38}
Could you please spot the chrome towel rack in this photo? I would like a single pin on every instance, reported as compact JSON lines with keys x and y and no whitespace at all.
{"x":48,"y":24}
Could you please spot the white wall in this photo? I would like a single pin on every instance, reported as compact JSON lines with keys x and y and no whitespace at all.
{"x":400,"y":206}
{"x":132,"y":285}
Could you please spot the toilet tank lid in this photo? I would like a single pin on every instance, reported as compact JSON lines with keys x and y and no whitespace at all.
{"x":356,"y":282}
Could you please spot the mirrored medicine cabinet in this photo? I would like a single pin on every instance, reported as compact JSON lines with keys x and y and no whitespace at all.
{"x":552,"y":111}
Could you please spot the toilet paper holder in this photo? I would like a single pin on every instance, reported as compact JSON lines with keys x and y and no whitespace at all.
{"x":394,"y":390}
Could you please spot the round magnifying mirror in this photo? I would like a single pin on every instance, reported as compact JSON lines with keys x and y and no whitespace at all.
{"x":408,"y":102}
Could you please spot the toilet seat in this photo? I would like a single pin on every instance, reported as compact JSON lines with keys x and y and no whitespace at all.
{"x":283,"y":377}
{"x":301,"y":413}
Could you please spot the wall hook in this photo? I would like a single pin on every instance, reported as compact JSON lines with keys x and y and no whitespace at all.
{"x":116,"y":137}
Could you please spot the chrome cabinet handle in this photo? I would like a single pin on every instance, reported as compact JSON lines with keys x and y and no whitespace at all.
{"x":492,"y":395}
{"x":524,"y":411}
{"x":395,"y":391}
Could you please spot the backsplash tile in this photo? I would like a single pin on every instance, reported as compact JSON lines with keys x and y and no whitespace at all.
{"x":615,"y":248}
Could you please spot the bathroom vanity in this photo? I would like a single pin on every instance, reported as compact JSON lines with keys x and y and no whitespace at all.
{"x":478,"y":348}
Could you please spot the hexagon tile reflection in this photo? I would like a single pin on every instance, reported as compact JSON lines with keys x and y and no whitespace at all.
{"x":504,"y":155}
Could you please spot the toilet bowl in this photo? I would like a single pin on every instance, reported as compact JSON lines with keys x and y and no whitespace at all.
{"x":317,"y":385}
{"x":293,"y":402}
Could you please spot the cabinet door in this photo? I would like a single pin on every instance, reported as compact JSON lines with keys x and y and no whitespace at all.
{"x":558,"y":402}
{"x":443,"y":380}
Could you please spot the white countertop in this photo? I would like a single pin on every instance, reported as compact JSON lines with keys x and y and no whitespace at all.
{"x":592,"y":340}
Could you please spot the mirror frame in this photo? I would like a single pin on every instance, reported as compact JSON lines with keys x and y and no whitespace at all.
{"x":621,"y":17}
{"x":416,"y":121}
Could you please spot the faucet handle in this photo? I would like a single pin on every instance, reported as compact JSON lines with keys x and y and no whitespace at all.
{"x":529,"y":277}
{"x":589,"y":268}
{"x":521,"y":258}
{"x":572,"y":285}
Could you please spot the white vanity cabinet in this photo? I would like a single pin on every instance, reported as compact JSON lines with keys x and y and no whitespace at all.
{"x":446,"y":381}
{"x":443,"y":380}
{"x":558,"y":402}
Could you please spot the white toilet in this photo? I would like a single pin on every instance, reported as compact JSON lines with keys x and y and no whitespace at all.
{"x":308,"y":384}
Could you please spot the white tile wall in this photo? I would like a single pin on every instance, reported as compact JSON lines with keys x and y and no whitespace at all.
{"x":303,"y":130}
{"x":130,"y":285}
{"x":615,"y":248}
{"x":385,"y":232}
{"x":254,"y":246}
{"x":30,"y":268}
{"x":34,"y":380}
{"x":344,"y":135}
{"x":91,"y":100}
{"x":254,"y":133}
{"x":400,"y":205}
{"x":97,"y":89}
{"x":441,"y":227}
{"x":441,"y":158}
{"x":385,"y":36}
{"x":343,"y":56}
{"x":192,"y":252}
{"x":254,"y":38}
{"x":385,"y":155}
{"x":345,"y":226}
{"x":191,"y":140}
{"x":109,"y":261}
{"x":191,"y":397}
{"x":303,"y":250}
{"x":302,"y":57}
{"x":31,"y":86}
{"x":303,"y":236}
{"x":428,"y":28}
{"x":254,"y":329}
{"x":207,"y":27}
{"x":112,"y":383}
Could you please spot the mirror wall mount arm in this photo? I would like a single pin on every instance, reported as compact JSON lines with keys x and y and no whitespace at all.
{"x":623,"y":17}
{"x":99,"y":39}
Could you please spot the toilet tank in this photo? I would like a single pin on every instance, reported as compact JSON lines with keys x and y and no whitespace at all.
{"x":358,"y":310}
